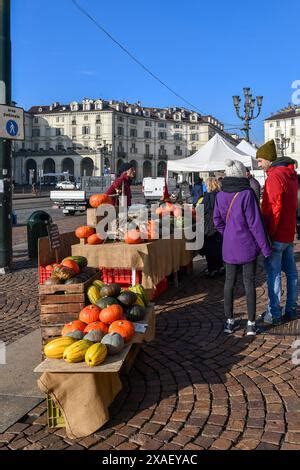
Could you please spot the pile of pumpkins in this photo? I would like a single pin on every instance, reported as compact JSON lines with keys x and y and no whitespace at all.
{"x":103,"y":327}
{"x":71,"y":270}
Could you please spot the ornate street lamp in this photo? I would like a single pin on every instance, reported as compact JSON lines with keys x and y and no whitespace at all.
{"x":282,"y":143}
{"x":249,"y":106}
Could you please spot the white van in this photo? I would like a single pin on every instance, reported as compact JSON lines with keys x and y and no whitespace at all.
{"x":153,"y":188}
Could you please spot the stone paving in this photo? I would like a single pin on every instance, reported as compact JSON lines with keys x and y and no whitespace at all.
{"x":194,"y":387}
{"x":19,"y":313}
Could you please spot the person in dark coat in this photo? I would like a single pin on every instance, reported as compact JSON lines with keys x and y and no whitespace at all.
{"x":212,"y":247}
{"x":127,"y":174}
{"x":197,"y":190}
{"x":238,"y":218}
{"x":254,"y":184}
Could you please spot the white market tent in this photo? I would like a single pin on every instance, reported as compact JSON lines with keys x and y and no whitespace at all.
{"x":247,"y":148}
{"x":211,"y":157}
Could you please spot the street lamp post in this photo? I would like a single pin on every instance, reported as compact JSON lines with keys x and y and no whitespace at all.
{"x":104,"y":153}
{"x":282,"y":143}
{"x":249,"y":106}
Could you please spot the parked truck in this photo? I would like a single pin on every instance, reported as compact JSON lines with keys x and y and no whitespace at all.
{"x":77,"y":200}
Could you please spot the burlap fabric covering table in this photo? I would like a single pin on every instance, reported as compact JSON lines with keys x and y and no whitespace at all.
{"x":82,"y":398}
{"x":156,"y":259}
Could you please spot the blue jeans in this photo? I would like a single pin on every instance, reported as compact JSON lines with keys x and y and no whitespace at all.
{"x":282,"y":259}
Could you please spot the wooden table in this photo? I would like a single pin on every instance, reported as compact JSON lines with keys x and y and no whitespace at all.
{"x":90,"y":390}
{"x":155,"y":259}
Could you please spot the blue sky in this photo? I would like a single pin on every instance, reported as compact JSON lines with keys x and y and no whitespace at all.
{"x":206,"y":51}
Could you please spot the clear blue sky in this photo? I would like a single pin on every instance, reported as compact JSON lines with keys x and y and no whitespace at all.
{"x":206,"y":50}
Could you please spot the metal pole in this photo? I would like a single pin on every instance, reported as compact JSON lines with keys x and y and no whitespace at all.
{"x":5,"y":145}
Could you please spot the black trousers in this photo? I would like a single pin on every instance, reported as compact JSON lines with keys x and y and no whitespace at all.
{"x":213,"y":252}
{"x":249,"y":284}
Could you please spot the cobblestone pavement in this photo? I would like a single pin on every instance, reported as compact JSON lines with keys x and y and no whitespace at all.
{"x":193,"y":387}
{"x":19,"y":313}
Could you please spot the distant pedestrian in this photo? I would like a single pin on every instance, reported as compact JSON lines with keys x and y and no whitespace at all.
{"x":34,"y":189}
{"x":237,"y":217}
{"x":212,"y":248}
{"x":197,"y":190}
{"x":254,"y":184}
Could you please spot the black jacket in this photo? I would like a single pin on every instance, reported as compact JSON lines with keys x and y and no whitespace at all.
{"x":209,"y":203}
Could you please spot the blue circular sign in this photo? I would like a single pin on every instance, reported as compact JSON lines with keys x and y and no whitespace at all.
{"x":12,"y":127}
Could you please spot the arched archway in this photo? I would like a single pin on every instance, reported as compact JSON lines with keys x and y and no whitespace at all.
{"x":31,"y":175}
{"x":86,"y":167}
{"x":119,"y":165}
{"x":49,"y":165}
{"x":147,"y":169}
{"x":68,"y":165}
{"x":161,"y":169}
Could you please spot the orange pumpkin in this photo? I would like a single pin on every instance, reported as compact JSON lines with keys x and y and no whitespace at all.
{"x":72,"y":326}
{"x":94,"y":239}
{"x":96,"y":325}
{"x":158,"y":211}
{"x":110,"y":314}
{"x":89,"y":314}
{"x":71,"y":264}
{"x":124,"y":327}
{"x":49,"y":268}
{"x":84,"y":231}
{"x":133,"y":236}
{"x":97,"y":199}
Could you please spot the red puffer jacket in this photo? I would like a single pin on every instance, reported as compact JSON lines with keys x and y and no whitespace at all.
{"x":279,"y":204}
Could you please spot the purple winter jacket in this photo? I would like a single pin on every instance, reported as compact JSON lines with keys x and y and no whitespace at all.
{"x":243,"y":234}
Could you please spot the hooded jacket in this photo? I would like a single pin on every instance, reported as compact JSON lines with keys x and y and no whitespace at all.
{"x":279,"y":203}
{"x":243,"y":233}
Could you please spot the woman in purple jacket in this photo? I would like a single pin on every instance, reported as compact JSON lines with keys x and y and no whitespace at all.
{"x":237,"y":217}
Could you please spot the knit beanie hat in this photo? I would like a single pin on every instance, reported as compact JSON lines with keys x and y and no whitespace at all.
{"x":235,"y":168}
{"x":267,"y":151}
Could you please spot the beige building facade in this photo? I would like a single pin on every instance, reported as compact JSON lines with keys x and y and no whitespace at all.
{"x":95,"y":137}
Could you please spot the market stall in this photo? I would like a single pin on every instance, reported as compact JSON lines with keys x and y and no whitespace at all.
{"x":81,"y":397}
{"x":155,"y":260}
{"x":93,"y":324}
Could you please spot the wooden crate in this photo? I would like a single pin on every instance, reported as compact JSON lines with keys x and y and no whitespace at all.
{"x":60,"y":304}
{"x":47,"y":256}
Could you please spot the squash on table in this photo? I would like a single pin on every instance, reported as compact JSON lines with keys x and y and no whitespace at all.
{"x":124,"y":327}
{"x":89,"y":314}
{"x":111,"y":313}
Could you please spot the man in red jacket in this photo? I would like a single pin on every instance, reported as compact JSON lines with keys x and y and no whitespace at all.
{"x":124,"y":181}
{"x":279,"y":207}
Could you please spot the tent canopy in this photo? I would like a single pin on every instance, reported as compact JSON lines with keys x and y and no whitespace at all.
{"x":211,"y":157}
{"x":247,"y":148}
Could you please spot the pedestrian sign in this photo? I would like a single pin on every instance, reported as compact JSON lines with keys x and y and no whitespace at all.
{"x":11,"y":122}
{"x":12,"y":127}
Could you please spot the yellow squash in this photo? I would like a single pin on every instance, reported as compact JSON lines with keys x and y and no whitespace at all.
{"x":93,"y":294}
{"x":98,"y":283}
{"x":76,"y":352}
{"x":96,"y":354}
{"x":55,"y":348}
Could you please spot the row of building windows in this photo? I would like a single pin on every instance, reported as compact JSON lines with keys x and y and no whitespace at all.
{"x":278,"y":123}
{"x":278,"y":132}
{"x":160,"y":135}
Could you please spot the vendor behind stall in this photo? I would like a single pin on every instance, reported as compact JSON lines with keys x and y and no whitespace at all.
{"x":122,"y":184}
